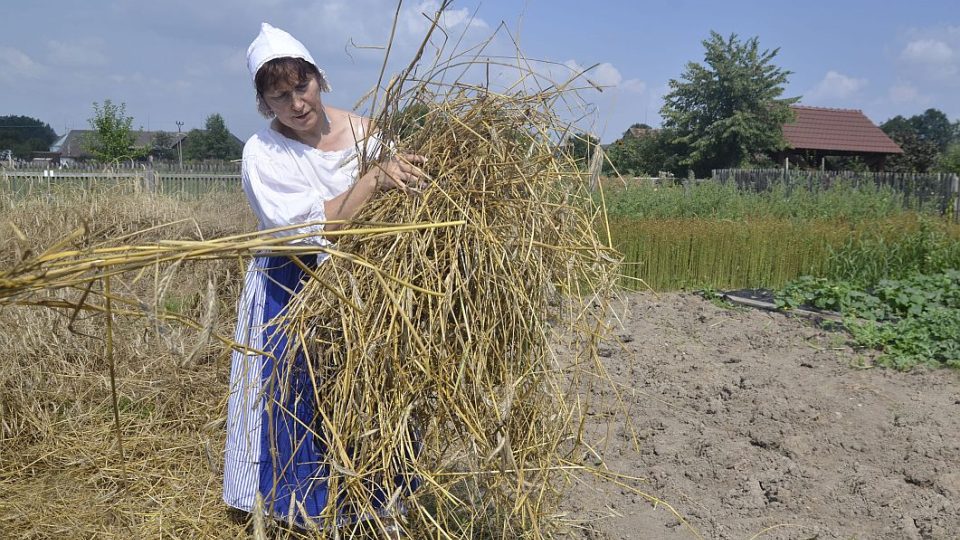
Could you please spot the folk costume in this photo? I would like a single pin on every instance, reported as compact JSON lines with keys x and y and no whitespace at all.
{"x":273,"y":452}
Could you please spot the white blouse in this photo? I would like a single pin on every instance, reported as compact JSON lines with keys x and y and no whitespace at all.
{"x":288,"y":182}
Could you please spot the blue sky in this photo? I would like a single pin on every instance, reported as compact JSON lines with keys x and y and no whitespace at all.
{"x":182,"y":60}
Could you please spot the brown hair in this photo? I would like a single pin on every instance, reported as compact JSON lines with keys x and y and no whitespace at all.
{"x":284,"y":70}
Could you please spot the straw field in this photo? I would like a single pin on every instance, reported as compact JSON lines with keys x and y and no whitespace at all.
{"x":60,"y":469}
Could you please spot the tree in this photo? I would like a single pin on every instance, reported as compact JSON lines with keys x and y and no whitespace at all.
{"x":23,"y":135}
{"x":646,"y":155}
{"x":112,"y":139}
{"x":919,"y":153}
{"x":162,"y":146}
{"x":934,"y":127}
{"x":214,"y":142}
{"x":950,"y":159}
{"x":730,"y":109}
{"x":581,"y":147}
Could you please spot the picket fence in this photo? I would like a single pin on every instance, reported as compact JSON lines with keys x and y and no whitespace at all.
{"x":192,"y":183}
{"x":919,"y":190}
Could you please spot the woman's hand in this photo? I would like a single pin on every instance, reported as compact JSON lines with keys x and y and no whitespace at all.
{"x":402,"y":171}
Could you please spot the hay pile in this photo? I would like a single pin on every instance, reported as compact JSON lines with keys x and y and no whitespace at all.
{"x":447,"y":376}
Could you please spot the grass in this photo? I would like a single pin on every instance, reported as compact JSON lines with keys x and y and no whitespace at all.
{"x":711,"y":200}
{"x":711,"y":235}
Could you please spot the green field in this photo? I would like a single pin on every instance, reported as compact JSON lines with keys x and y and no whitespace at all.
{"x":709,"y":235}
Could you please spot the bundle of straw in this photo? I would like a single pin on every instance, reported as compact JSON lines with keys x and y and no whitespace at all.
{"x":446,"y":378}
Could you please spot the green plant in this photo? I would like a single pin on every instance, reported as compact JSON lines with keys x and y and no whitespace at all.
{"x":112,"y":139}
{"x":728,"y":108}
{"x":913,"y":321}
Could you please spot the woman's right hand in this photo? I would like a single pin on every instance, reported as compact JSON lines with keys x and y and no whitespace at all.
{"x":402,"y":171}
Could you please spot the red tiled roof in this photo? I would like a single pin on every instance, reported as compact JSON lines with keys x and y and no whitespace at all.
{"x":816,"y":128}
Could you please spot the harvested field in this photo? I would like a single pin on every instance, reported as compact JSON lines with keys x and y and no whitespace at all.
{"x":753,"y":424}
{"x":747,"y":422}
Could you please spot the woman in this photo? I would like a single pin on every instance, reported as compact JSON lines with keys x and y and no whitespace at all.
{"x":302,"y":168}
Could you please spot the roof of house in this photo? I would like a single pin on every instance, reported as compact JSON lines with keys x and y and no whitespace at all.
{"x":640,"y":132}
{"x":847,"y":130}
{"x":72,"y":144}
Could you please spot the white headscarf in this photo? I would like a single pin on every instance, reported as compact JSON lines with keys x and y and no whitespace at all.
{"x":275,"y":43}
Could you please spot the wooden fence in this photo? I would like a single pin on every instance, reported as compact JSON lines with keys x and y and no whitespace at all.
{"x":26,"y":182}
{"x":212,"y":167}
{"x":929,"y":190}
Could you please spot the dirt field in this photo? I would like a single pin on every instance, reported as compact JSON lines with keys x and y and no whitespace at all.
{"x":756,"y":425}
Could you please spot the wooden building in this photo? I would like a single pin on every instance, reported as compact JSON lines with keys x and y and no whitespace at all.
{"x":818,"y":133}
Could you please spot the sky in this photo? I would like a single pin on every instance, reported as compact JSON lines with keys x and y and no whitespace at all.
{"x":183,"y":60}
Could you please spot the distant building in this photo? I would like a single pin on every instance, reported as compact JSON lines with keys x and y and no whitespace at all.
{"x":72,"y":147}
{"x":817,"y":133}
{"x":642,"y":132}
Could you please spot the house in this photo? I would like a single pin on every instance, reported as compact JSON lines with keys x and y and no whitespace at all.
{"x":72,"y":148}
{"x":817,"y":133}
{"x":641,"y":131}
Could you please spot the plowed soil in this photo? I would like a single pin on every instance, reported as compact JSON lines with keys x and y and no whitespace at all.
{"x":752,"y":424}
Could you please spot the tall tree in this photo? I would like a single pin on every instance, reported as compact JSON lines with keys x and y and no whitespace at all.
{"x":213,"y":142}
{"x":933,"y":126}
{"x":729,"y":108}
{"x":920,"y":154}
{"x":23,"y":135}
{"x":112,"y":138}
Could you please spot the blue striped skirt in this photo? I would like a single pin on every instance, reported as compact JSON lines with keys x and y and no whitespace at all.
{"x":272,"y":448}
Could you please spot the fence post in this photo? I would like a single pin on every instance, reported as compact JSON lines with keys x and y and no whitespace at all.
{"x":149,"y":178}
{"x":955,"y":196}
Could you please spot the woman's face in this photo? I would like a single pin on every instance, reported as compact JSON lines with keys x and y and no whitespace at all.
{"x":297,"y":106}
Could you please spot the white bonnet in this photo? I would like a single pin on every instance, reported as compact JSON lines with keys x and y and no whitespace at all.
{"x":274,"y":43}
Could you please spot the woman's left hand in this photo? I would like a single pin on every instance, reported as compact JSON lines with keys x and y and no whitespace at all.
{"x":402,"y":172}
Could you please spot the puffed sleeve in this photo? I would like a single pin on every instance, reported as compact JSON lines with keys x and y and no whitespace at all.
{"x":280,"y":200}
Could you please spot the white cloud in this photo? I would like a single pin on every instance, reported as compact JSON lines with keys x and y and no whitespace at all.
{"x":928,"y":51}
{"x":79,"y":53}
{"x":606,"y":75}
{"x":634,"y":85}
{"x":417,"y":20}
{"x":903,"y":93}
{"x":834,"y":86}
{"x":15,"y":64}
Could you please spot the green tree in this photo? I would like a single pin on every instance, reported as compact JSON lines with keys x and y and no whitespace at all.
{"x":729,"y":109}
{"x":162,"y":146}
{"x":112,"y":139}
{"x":213,"y":142}
{"x":920,"y":154}
{"x":950,"y":159}
{"x":933,"y":126}
{"x":23,"y":135}
{"x":581,"y":147}
{"x":645,"y":155}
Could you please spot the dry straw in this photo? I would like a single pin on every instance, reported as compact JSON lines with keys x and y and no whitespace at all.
{"x":432,"y":329}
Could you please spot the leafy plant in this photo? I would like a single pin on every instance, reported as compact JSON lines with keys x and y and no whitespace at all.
{"x":730,"y":107}
{"x":913,"y":321}
{"x":112,"y":139}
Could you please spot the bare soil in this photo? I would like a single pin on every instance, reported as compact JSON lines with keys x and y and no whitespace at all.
{"x":752,"y":424}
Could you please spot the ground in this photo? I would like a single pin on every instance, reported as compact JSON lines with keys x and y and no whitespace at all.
{"x":752,"y":424}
